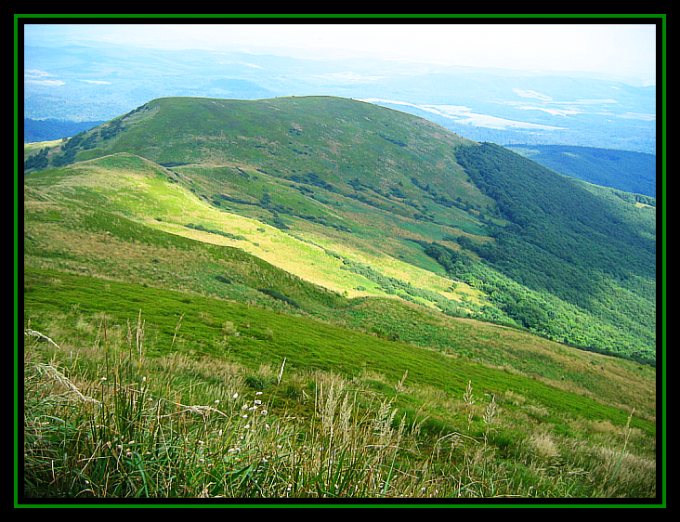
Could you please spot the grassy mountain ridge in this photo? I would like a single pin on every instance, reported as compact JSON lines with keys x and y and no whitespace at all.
{"x":342,"y":175}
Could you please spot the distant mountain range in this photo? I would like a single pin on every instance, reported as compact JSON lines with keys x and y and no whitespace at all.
{"x":51,"y":129}
{"x":98,"y":82}
{"x":625,"y":170}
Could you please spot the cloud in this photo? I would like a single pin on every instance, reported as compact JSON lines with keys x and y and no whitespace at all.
{"x":350,"y":77}
{"x":46,"y":83}
{"x":465,"y":116}
{"x":637,"y":116}
{"x":96,"y":82}
{"x":527,"y":93}
{"x":552,"y":112}
{"x":36,"y":73}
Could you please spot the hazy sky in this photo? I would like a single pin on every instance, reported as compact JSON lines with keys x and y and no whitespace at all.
{"x":622,"y":51}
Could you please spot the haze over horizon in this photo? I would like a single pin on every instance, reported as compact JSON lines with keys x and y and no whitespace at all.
{"x":623,"y":52}
{"x":579,"y":85}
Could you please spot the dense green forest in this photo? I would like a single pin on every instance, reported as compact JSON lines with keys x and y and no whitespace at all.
{"x":566,"y":242}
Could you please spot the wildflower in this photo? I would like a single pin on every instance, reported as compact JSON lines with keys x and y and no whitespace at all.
{"x":263,"y":412}
{"x":258,"y":393}
{"x":235,"y":396}
{"x":219,"y":433}
{"x":103,"y":379}
{"x":247,"y":426}
{"x":217,"y":401}
{"x":244,"y":416}
{"x":257,"y":402}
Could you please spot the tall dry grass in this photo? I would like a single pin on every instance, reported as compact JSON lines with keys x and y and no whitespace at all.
{"x":107,"y":421}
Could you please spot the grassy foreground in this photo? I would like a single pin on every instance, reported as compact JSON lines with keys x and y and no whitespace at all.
{"x":144,"y":392}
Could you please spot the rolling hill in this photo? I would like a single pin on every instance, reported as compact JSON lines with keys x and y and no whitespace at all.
{"x":359,"y":248}
{"x":387,"y":197}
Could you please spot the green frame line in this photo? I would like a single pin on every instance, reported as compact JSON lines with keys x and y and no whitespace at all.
{"x":662,"y":17}
{"x":663,"y":255}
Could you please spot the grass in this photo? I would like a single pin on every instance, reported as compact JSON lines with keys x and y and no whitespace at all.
{"x":63,"y":235}
{"x":140,"y":191}
{"x":266,"y":337}
{"x":106,"y":419}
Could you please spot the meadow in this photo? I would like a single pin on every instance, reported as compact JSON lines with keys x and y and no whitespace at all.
{"x":170,"y":401}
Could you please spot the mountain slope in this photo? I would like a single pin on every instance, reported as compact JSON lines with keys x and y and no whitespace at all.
{"x":391,"y":198}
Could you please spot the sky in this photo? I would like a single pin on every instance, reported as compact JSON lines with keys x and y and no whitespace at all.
{"x":625,"y":52}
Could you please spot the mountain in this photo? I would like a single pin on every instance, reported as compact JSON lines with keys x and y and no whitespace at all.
{"x":299,"y":297}
{"x":540,"y":251}
{"x":620,"y":169}
{"x":51,"y":129}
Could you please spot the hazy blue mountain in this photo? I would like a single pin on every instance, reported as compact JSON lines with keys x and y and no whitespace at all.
{"x":624,"y":170}
{"x":50,"y":129}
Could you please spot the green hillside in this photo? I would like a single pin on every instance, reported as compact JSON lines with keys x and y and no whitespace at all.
{"x":344,"y":176}
{"x":377,"y":281}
